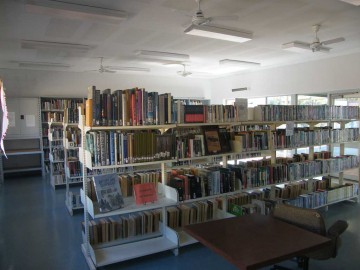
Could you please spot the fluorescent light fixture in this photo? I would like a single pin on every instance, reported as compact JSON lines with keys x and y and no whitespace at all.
{"x":216,"y":32}
{"x":155,"y":55}
{"x":352,"y":2}
{"x":74,"y":11}
{"x":139,"y":69}
{"x":296,"y":46}
{"x":29,"y":64}
{"x":238,"y":63}
{"x":34,"y":44}
{"x":239,"y":89}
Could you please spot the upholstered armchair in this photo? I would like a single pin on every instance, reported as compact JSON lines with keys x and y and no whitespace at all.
{"x":312,"y":220}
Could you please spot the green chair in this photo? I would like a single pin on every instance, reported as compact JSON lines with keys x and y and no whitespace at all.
{"x":311,"y":220}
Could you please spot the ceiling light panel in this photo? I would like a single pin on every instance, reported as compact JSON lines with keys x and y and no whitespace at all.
{"x":218,"y":33}
{"x":135,"y":69}
{"x":155,"y":55}
{"x":28,"y":64}
{"x":74,"y":11}
{"x":238,"y":63}
{"x":34,"y":44}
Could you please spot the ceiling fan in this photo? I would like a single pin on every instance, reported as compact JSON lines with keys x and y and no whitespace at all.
{"x":183,"y":72}
{"x":199,"y":18}
{"x":316,"y":45}
{"x":103,"y":69}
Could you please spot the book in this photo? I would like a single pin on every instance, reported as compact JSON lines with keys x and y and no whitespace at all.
{"x":212,"y":140}
{"x":108,"y":192}
{"x":225,"y":139}
{"x":194,"y":114}
{"x":145,"y":193}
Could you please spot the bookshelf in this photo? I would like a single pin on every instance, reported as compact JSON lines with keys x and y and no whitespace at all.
{"x":250,"y":139}
{"x":161,"y":237}
{"x":55,"y":110}
{"x":73,"y":170}
{"x":56,"y":154}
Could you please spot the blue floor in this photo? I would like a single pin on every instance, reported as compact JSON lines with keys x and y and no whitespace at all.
{"x":37,"y":232}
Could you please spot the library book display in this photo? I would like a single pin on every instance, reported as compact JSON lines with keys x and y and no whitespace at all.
{"x":192,"y":157}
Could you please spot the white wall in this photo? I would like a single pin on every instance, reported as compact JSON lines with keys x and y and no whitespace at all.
{"x":333,"y":74}
{"x":35,"y":83}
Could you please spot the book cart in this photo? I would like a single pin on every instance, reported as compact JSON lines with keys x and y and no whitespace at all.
{"x":259,"y":142}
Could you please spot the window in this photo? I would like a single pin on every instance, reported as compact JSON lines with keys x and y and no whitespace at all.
{"x":312,"y":100}
{"x":279,"y":100}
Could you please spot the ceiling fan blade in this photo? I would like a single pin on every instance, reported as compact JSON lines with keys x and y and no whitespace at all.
{"x":109,"y":71}
{"x":331,"y":41}
{"x":296,"y":46}
{"x":225,"y":18}
{"x":324,"y":49}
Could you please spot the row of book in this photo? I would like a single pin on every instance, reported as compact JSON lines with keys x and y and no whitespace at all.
{"x":305,"y":137}
{"x":122,"y":227}
{"x":249,"y":141}
{"x":196,"y":212}
{"x":196,"y":183}
{"x":136,"y":107}
{"x":201,"y":182}
{"x":57,"y":143}
{"x":310,"y":200}
{"x":130,"y":107}
{"x":73,"y":168}
{"x":71,"y":112}
{"x":52,"y":116}
{"x":58,"y":104}
{"x":115,"y":147}
{"x":57,"y":155}
{"x":58,"y":168}
{"x":342,"y":192}
{"x":73,"y":136}
{"x":56,"y":133}
{"x":304,"y":112}
{"x":322,"y":197}
{"x":261,"y":173}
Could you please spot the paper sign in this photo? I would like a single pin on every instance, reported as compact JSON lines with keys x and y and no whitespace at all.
{"x":30,"y":120}
{"x":11,"y":117}
{"x":145,"y":193}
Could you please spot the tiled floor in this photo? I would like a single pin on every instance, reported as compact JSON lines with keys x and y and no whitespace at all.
{"x":37,"y":232}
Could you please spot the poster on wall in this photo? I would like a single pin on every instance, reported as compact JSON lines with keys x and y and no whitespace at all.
{"x":4,"y":119}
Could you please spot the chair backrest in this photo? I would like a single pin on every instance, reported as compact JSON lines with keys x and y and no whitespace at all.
{"x":308,"y":219}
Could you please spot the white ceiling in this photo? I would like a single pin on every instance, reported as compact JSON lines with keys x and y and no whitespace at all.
{"x":158,"y":25}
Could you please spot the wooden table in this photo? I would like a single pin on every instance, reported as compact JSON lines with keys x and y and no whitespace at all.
{"x":255,"y":241}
